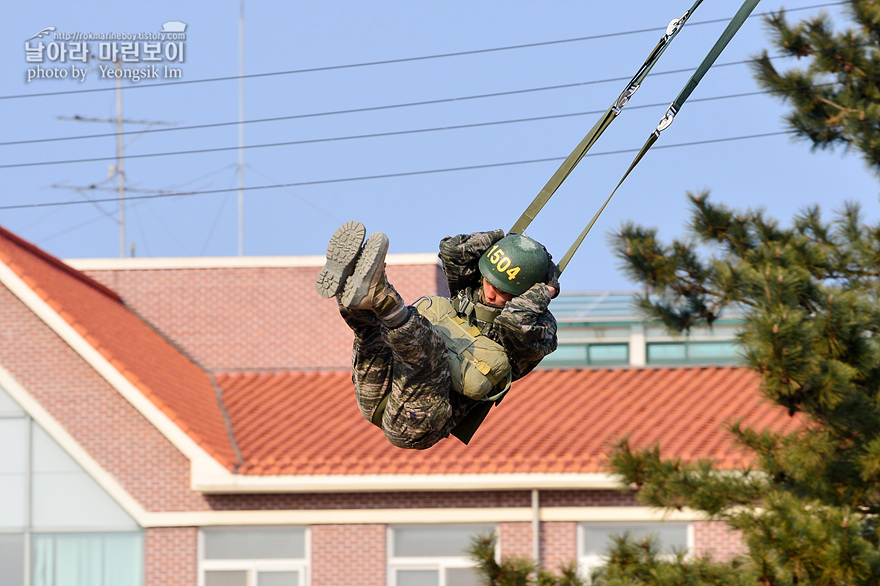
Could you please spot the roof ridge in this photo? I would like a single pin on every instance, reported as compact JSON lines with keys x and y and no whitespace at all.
{"x":271,"y":371}
{"x":106,"y":324}
{"x":58,"y":263}
{"x":218,"y":390}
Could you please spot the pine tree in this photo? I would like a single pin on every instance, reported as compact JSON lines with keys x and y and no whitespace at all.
{"x":809,"y":507}
{"x":517,"y":571}
{"x":641,"y":562}
{"x":810,"y":294}
{"x":835,"y":99}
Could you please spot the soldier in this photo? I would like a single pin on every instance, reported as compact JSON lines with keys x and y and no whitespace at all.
{"x":426,"y":371}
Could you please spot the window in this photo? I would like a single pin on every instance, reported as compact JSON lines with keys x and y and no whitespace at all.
{"x":56,"y":521}
{"x":12,"y":559}
{"x":588,"y":355}
{"x":594,"y":539}
{"x":608,"y":354}
{"x":253,"y":556}
{"x":691,"y":352}
{"x":432,"y":555}
{"x":96,"y":559}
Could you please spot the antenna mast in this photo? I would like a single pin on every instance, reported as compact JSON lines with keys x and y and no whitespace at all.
{"x":241,"y":131}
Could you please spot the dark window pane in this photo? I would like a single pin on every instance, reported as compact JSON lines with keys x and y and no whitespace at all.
{"x":254,"y":543}
{"x":452,"y":540}
{"x":11,"y":560}
{"x":597,"y":536}
{"x":237,"y":578}
{"x":278,"y":579}
{"x":418,"y":578}
{"x":609,"y":353}
{"x":464,"y":577}
{"x":663,"y":352}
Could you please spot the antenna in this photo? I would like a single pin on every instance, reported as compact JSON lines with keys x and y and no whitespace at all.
{"x":120,"y":161}
{"x":241,"y":130}
{"x":119,"y":169}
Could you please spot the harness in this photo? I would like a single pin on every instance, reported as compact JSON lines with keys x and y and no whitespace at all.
{"x":471,"y":311}
{"x":478,"y":366}
{"x":464,"y":324}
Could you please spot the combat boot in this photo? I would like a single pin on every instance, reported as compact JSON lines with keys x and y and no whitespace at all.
{"x":342,"y":253}
{"x":368,"y":287}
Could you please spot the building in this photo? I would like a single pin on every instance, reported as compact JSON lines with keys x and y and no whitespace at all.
{"x":192,"y":421}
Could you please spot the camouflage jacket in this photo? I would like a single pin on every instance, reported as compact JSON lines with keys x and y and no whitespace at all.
{"x":524,"y":328}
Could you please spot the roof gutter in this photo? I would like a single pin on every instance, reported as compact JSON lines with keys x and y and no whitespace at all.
{"x":230,"y":262}
{"x":236,"y":483}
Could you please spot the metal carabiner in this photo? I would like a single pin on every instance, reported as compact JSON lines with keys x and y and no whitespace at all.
{"x":464,"y":305}
{"x":624,"y":98}
{"x":666,"y":120}
{"x":675,"y":24}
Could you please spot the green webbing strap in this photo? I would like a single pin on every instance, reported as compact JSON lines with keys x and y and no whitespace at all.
{"x":604,"y":122}
{"x":732,"y":27}
{"x":564,"y":262}
{"x":380,"y":410}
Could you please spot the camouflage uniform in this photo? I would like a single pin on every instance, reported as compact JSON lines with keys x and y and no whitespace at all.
{"x":409,"y":363}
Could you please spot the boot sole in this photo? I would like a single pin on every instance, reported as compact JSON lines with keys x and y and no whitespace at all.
{"x":342,"y":254}
{"x":372,"y":259}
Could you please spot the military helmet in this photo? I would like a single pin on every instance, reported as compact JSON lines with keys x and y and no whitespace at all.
{"x":515,"y":263}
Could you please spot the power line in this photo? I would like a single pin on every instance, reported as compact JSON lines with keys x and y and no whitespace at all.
{"x":358,"y":136}
{"x":367,"y":108}
{"x":384,"y":107}
{"x":395,"y":175}
{"x":376,"y":134}
{"x":402,"y":59}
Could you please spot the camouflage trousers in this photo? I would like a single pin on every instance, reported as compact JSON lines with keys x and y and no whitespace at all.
{"x":408,"y":364}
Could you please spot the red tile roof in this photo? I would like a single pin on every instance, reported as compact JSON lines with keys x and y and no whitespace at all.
{"x":308,"y":423}
{"x":552,"y":421}
{"x":178,"y":386}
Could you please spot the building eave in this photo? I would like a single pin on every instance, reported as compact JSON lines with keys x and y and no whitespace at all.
{"x":245,"y":484}
{"x":229,"y":262}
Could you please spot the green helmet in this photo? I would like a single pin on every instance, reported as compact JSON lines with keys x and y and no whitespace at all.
{"x":515,"y":263}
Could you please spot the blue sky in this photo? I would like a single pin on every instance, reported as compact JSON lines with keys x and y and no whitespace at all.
{"x":333,"y":40}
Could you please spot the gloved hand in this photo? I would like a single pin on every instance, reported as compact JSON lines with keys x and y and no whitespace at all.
{"x":552,"y":281}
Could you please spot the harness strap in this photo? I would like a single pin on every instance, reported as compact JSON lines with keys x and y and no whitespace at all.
{"x":462,"y":304}
{"x":465,"y":308}
{"x":732,"y":27}
{"x":380,"y":410}
{"x":570,"y":253}
{"x":485,"y":314}
{"x":604,"y":122}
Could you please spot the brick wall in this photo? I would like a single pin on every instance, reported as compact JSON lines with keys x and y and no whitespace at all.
{"x":717,"y":539}
{"x":587,"y":498}
{"x":421,"y":500}
{"x":372,"y":500}
{"x":353,"y":555}
{"x":558,"y":543}
{"x":285,"y":324}
{"x":356,"y":555}
{"x":515,"y":540}
{"x":170,"y":556}
{"x":113,"y":432}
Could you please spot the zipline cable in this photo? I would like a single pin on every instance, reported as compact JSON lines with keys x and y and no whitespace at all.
{"x":735,"y":24}
{"x":336,"y":180}
{"x":602,"y":124}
